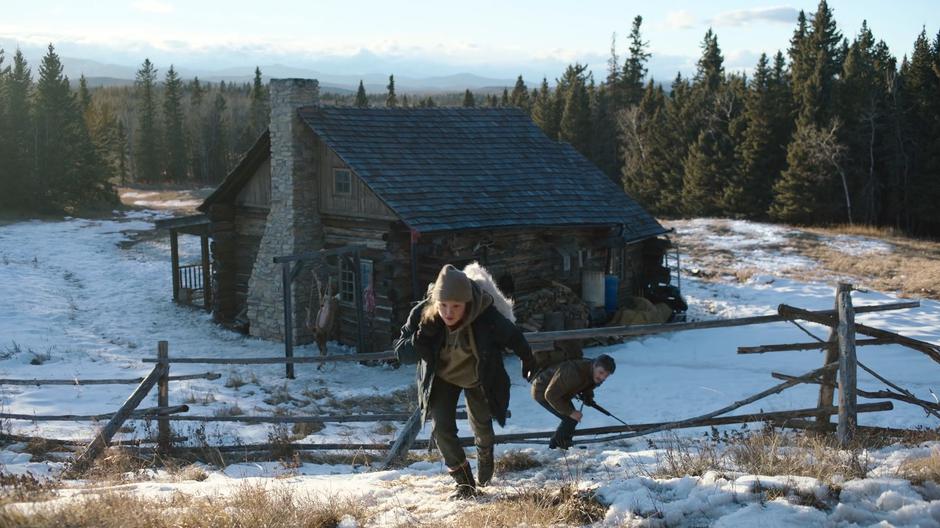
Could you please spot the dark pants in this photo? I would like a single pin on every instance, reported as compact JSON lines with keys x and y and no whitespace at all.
{"x":565,"y":429}
{"x":442,"y":407}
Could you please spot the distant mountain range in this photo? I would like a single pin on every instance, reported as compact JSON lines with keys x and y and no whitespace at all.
{"x":103,"y":74}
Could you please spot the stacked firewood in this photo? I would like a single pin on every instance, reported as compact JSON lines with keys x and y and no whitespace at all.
{"x":553,"y":307}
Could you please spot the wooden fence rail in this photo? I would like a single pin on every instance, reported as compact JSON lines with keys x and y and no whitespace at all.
{"x":129,"y":381}
{"x":133,"y":415}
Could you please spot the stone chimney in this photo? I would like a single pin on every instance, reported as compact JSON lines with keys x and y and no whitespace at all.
{"x":293,"y":224}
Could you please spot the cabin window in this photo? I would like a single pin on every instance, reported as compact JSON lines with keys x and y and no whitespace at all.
{"x":566,"y":263}
{"x":347,"y":279}
{"x":342,"y":182}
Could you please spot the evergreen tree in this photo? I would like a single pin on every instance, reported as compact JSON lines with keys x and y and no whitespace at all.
{"x":808,"y":190}
{"x":758,"y":153}
{"x":84,"y":96}
{"x":216,"y":140}
{"x":427,"y":102}
{"x":922,"y":87}
{"x":504,"y":100}
{"x":575,"y":124}
{"x":404,"y":101}
{"x":198,"y":146}
{"x":818,"y":61}
{"x":174,"y":139}
{"x":148,"y":160}
{"x":634,"y":68}
{"x":391,"y":101}
{"x":520,"y":96}
{"x":68,"y":167}
{"x":544,"y":111}
{"x":652,"y":172}
{"x":362,"y":100}
{"x":6,"y":179}
{"x":468,"y":100}
{"x":121,"y":152}
{"x":704,"y":180}
{"x":604,"y":136}
{"x":710,"y":71}
{"x":259,"y":105}
{"x":19,"y":158}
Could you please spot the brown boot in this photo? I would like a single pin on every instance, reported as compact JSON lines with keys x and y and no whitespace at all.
{"x":484,"y":465}
{"x":466,"y":487}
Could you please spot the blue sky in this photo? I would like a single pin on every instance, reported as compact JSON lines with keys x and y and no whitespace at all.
{"x":424,"y":38}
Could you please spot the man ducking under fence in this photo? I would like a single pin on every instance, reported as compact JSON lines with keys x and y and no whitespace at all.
{"x":555,"y":386}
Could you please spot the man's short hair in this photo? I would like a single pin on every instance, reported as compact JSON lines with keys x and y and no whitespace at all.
{"x":607,"y":362}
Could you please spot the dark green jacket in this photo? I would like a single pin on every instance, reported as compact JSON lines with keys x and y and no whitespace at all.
{"x":557,"y":384}
{"x":492,"y":332}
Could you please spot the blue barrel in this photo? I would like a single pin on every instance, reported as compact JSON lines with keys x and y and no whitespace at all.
{"x":611,"y":285}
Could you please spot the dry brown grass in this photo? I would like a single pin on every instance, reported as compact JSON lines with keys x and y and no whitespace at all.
{"x":922,"y":469}
{"x":771,"y":452}
{"x":681,"y":458}
{"x":23,"y":488}
{"x":251,"y":506}
{"x":535,"y":507}
{"x":401,"y":400}
{"x":912,"y":268}
{"x":515,"y":461}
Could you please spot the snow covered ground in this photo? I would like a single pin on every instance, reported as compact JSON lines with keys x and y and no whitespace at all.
{"x":90,"y":298}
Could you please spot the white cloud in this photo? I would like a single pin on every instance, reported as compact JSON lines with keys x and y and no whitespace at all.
{"x":741,"y":17}
{"x":153,"y":6}
{"x":681,"y":19}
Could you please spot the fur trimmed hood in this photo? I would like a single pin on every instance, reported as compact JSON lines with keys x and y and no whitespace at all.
{"x":484,"y":280}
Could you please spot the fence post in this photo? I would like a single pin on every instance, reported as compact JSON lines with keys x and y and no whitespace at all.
{"x":848,"y":419}
{"x":163,"y":396}
{"x":288,"y":317}
{"x":827,"y":387}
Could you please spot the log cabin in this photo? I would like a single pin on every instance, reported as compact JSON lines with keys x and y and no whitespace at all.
{"x":415,"y":188}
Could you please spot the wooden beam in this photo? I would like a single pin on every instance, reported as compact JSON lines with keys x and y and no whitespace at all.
{"x":817,"y":345}
{"x":148,"y":412}
{"x":80,"y":382}
{"x":206,"y":273}
{"x":375,"y":356}
{"x":163,"y":396}
{"x":638,"y":330}
{"x":848,"y":376}
{"x":175,"y":263}
{"x":405,"y":440}
{"x":102,"y":439}
{"x":339,"y":418}
{"x":740,"y":403}
{"x":829,"y":319}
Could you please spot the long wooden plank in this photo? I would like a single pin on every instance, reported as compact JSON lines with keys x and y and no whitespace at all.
{"x":102,"y":439}
{"x":389,"y":417}
{"x":127,"y":381}
{"x":638,"y":330}
{"x":740,"y":403}
{"x":534,"y":436}
{"x":148,"y":412}
{"x":816,"y":345}
{"x":829,"y":319}
{"x":405,"y":440}
{"x":374,"y":356}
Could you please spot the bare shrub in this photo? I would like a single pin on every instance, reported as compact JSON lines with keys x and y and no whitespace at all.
{"x":681,"y":458}
{"x":401,"y":400}
{"x":305,"y":429}
{"x":235,"y":381}
{"x":229,"y":410}
{"x":512,"y":461}
{"x":385,"y":428}
{"x":118,"y":465}
{"x":564,"y":506}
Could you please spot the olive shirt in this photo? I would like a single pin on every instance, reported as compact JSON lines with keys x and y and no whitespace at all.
{"x":459,"y":360}
{"x":557,"y":384}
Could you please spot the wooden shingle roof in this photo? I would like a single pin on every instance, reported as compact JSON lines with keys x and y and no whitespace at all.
{"x":442,"y":169}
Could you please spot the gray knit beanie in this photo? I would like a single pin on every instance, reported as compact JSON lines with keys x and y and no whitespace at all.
{"x":453,"y":285}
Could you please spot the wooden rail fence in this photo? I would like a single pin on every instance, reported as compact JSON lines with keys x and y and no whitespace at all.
{"x":837,"y":374}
